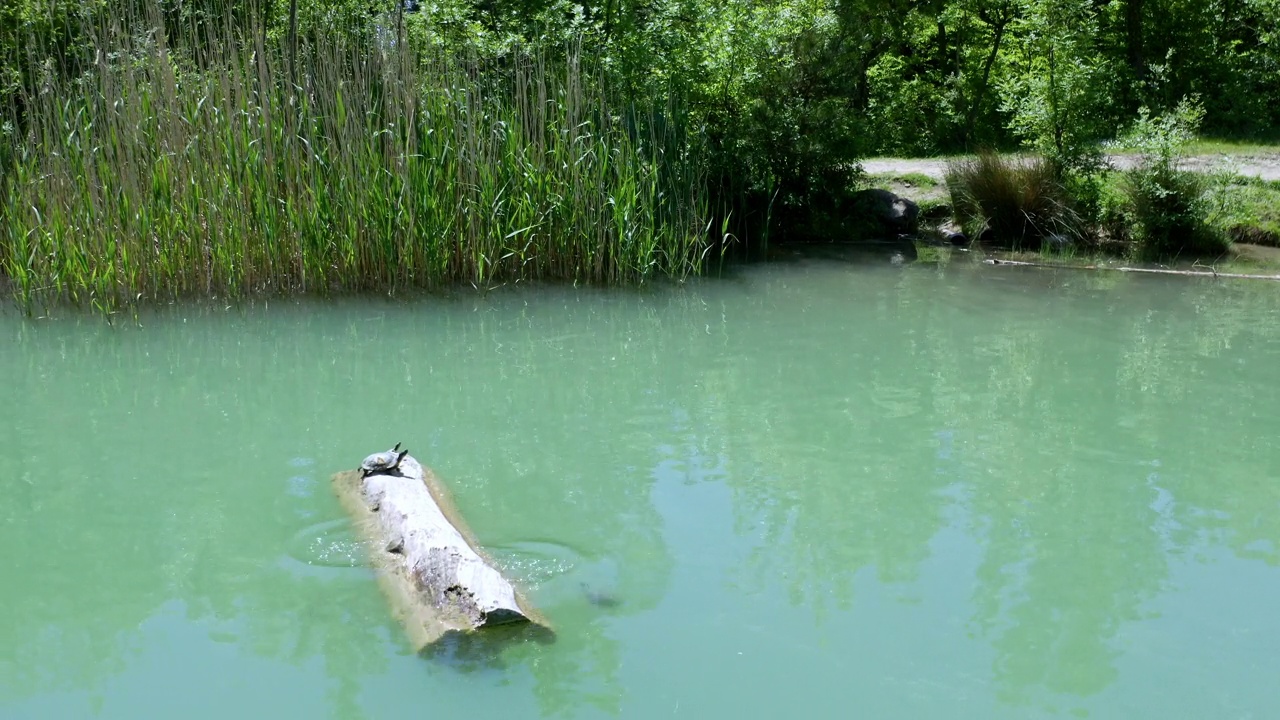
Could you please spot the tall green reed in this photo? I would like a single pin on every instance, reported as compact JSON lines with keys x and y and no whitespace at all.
{"x":206,"y":168}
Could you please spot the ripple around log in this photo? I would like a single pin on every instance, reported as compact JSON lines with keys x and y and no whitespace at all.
{"x":554,"y":573}
{"x":328,"y":544}
{"x":535,"y":562}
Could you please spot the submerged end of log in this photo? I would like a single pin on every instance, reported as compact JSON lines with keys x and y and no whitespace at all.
{"x":1208,"y":272}
{"x":428,"y":563}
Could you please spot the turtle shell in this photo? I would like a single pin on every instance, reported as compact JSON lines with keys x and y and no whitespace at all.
{"x":379,"y":462}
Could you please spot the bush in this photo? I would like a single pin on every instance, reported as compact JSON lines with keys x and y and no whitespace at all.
{"x":1167,"y":211}
{"x":1014,"y":204}
{"x":1167,"y":207}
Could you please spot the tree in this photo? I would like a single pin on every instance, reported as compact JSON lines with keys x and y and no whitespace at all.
{"x":1058,"y":90}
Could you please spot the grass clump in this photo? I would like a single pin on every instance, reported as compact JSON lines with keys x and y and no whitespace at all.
{"x":1016,"y":204}
{"x":335,"y":165}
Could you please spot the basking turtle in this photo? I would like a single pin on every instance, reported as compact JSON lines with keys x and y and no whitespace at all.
{"x":383,"y":463}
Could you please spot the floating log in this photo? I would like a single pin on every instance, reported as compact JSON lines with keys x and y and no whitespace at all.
{"x":1154,"y":271}
{"x":429,"y":566}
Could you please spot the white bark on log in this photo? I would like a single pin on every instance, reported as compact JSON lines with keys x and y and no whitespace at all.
{"x":431,"y":570}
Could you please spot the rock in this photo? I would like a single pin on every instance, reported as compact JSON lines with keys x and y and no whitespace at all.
{"x":885,"y":212}
{"x":951,"y":234}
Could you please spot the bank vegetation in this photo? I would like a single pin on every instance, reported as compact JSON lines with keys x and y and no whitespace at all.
{"x":153,"y":150}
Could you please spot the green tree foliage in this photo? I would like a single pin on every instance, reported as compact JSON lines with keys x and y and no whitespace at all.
{"x":1225,"y":51}
{"x":1057,"y":88}
{"x":788,"y":94}
{"x":908,"y":76}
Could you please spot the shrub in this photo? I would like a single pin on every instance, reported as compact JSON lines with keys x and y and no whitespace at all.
{"x":1167,"y":207}
{"x":1112,"y":219}
{"x":1014,"y":204}
{"x":1167,"y":211}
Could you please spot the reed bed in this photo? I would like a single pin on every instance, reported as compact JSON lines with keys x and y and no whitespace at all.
{"x":330,"y":166}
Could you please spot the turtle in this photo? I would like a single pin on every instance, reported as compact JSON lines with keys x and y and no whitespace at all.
{"x":383,"y":463}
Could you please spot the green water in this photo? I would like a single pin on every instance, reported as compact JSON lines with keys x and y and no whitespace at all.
{"x":817,"y":489}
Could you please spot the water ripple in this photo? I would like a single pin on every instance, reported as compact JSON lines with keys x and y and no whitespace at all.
{"x":328,"y":544}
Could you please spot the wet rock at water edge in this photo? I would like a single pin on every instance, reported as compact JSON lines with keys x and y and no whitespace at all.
{"x":885,"y":213}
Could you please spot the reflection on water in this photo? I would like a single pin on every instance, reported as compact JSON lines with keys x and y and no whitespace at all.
{"x":956,"y":493}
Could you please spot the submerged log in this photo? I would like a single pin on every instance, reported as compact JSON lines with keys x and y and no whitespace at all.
{"x":1210,"y":273}
{"x":428,"y":564}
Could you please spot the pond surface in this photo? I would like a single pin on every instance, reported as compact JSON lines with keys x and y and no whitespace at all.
{"x":813,"y":489}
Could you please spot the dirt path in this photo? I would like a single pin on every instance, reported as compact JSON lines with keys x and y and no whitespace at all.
{"x":1259,"y":165}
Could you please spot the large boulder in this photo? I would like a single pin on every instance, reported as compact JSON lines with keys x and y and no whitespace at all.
{"x":884,"y":214}
{"x":861,"y":216}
